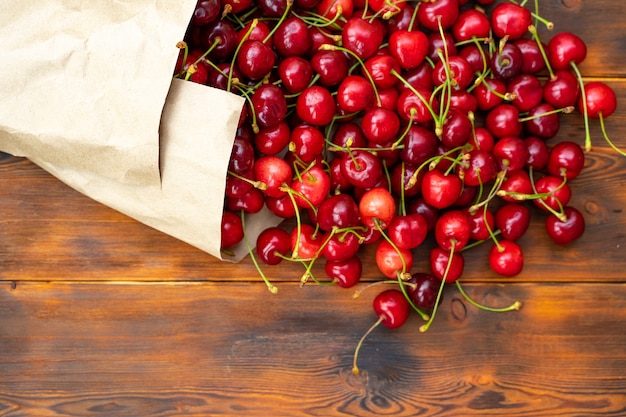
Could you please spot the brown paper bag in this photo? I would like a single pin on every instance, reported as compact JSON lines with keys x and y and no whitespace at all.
{"x":84,"y":82}
{"x":90,"y":98}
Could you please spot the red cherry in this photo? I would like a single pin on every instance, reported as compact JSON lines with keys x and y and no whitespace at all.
{"x":526,"y":90}
{"x":292,"y":38}
{"x":480,"y":168}
{"x":471,"y":23}
{"x":269,"y":105}
{"x":445,"y":268}
{"x":315,"y":105}
{"x":392,"y":307}
{"x":440,"y":190}
{"x":408,"y":231}
{"x":438,"y":13}
{"x":392,"y":261}
{"x":231,"y":230}
{"x":361,"y":168}
{"x":252,"y":202}
{"x":377,"y":208}
{"x":516,"y":185}
{"x":424,"y":290}
{"x":566,"y":159}
{"x":510,"y":20}
{"x":311,"y":187}
{"x":361,"y":36}
{"x":512,"y":220}
{"x":482,"y":223}
{"x":275,"y":173}
{"x":355,"y":93}
{"x":503,"y":120}
{"x":452,"y":230}
{"x":346,"y":273}
{"x":510,"y":153}
{"x":557,"y":193}
{"x":565,"y":48}
{"x":601,"y":100}
{"x":307,"y":142}
{"x":562,"y":90}
{"x":273,"y":139}
{"x":331,"y":66}
{"x":381,"y":68}
{"x":339,"y":211}
{"x":255,"y":59}
{"x":272,"y":245}
{"x":306,"y":241}
{"x":567,"y":230}
{"x":380,"y":125}
{"x":295,"y":73}
{"x":341,"y":246}
{"x":506,"y":258}
{"x":409,"y":48}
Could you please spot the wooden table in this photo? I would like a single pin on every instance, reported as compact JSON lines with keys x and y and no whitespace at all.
{"x":103,"y":316}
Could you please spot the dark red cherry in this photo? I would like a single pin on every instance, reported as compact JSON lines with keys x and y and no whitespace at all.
{"x":565,"y":231}
{"x":345,"y":273}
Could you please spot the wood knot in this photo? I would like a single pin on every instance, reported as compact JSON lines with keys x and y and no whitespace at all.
{"x":571,"y":4}
{"x":458,"y":309}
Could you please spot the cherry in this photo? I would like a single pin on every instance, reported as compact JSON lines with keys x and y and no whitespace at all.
{"x":252,"y":202}
{"x":380,"y":125}
{"x":221,"y":36}
{"x":315,"y":105}
{"x":273,"y":245}
{"x":446,"y":268}
{"x":526,"y":90}
{"x":236,"y":6}
{"x":428,"y":212}
{"x":292,"y":38}
{"x":239,"y":184}
{"x":566,"y":159}
{"x":281,"y":206}
{"x":438,"y":44}
{"x":532,"y":58}
{"x":537,"y":152}
{"x":377,"y":208}
{"x":331,"y":66}
{"x":272,"y":8}
{"x":542,"y":121}
{"x":456,"y":70}
{"x":361,"y":168}
{"x":295,"y":73}
{"x":479,"y":169}
{"x":471,"y":23}
{"x":206,"y":11}
{"x":273,"y":139}
{"x":510,"y":20}
{"x":482,"y":223}
{"x":392,"y":309}
{"x":347,"y":135}
{"x":255,"y":59}
{"x":381,"y":68}
{"x":355,"y":93}
{"x":241,"y":156}
{"x":256,"y":30}
{"x":311,"y":187}
{"x":393,"y":261}
{"x":437,"y":14}
{"x":516,"y":186}
{"x":452,"y":231}
{"x":420,"y":144}
{"x":506,"y":258}
{"x":510,"y":153}
{"x":306,"y":241}
{"x":482,"y":139}
{"x":600,"y":98}
{"x":331,"y":8}
{"x":415,"y":108}
{"x":506,"y":63}
{"x":345,"y":273}
{"x":512,"y":220}
{"x":562,"y":89}
{"x":361,"y":37}
{"x":489,"y":93}
{"x":566,"y":230}
{"x":307,"y":142}
{"x":564,"y":49}
{"x":503,"y":120}
{"x":339,"y":211}
{"x":269,"y":104}
{"x":456,"y":129}
{"x":231,"y":230}
{"x":341,"y":246}
{"x":408,"y":231}
{"x":440,"y":190}
{"x":554,"y":193}
{"x":406,"y":179}
{"x":275,"y":173}
{"x":409,"y":48}
{"x":423,"y":290}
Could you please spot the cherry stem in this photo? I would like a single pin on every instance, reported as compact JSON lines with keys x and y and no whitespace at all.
{"x":425,"y":326}
{"x":402,"y":284}
{"x":565,"y":110}
{"x":404,"y":272}
{"x":559,"y":214}
{"x":419,"y":95}
{"x":280,"y":21}
{"x":319,"y":21}
{"x":583,"y":97}
{"x":606,"y":137}
{"x":253,"y":25}
{"x":355,"y":368}
{"x":533,"y":30}
{"x":271,"y":287}
{"x":357,"y":293}
{"x":515,"y":306}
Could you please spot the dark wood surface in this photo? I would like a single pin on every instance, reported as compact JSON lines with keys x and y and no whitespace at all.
{"x":103,"y":316}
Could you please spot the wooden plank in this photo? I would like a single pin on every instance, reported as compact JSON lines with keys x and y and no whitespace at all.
{"x":234,"y":350}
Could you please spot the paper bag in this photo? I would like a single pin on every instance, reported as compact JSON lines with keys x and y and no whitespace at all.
{"x":84,"y":82}
{"x":87,"y":93}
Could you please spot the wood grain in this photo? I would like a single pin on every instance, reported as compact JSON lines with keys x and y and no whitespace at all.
{"x":232,"y":349}
{"x":103,"y":316}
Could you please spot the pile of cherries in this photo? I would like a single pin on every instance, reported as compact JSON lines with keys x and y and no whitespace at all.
{"x":388,"y":122}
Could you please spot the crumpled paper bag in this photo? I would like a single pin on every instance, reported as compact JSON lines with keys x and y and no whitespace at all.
{"x":87,"y":94}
